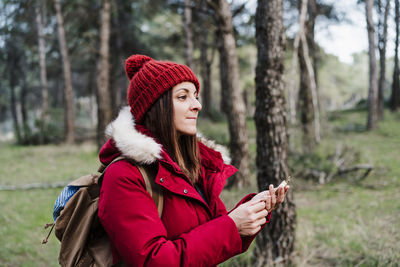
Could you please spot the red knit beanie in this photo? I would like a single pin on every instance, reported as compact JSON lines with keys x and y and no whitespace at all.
{"x":150,"y":78}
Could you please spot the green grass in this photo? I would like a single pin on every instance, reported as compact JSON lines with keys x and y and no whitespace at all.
{"x":341,"y":223}
{"x":23,"y":213}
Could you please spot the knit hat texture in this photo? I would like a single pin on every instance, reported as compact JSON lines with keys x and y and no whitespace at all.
{"x":150,"y":78}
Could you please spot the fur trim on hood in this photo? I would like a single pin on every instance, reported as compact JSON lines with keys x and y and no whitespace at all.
{"x":140,"y":147}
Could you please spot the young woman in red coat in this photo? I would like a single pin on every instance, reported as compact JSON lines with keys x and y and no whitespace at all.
{"x":159,"y":129}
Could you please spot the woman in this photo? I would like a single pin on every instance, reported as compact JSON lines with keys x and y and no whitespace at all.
{"x":159,"y":130}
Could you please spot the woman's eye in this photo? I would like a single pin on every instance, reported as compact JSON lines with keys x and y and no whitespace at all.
{"x":182,"y":97}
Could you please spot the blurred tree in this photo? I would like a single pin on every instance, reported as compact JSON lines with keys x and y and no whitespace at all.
{"x":43,"y":72}
{"x":68,"y":91}
{"x":203,"y":23}
{"x":235,"y":109}
{"x":373,"y":83}
{"x":308,"y":102}
{"x":395,"y":98}
{"x":104,"y":111}
{"x":275,"y":243}
{"x":187,"y":27}
{"x":383,"y":12}
{"x":13,"y":63}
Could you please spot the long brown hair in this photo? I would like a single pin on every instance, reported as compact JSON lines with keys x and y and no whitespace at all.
{"x":183,"y":149}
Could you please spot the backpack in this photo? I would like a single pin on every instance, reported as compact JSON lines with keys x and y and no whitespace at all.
{"x":84,"y":242}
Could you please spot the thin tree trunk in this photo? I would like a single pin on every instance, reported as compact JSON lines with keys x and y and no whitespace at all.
{"x":305,"y":102}
{"x":205,"y":63}
{"x":24,"y":111}
{"x":395,"y":98}
{"x":13,"y":105}
{"x":313,"y":89}
{"x":308,"y":98}
{"x":294,"y":62}
{"x":223,"y":73}
{"x":382,"y":36}
{"x":187,"y":26}
{"x":13,"y":67}
{"x":275,"y":244}
{"x":373,"y":83}
{"x":313,"y":13}
{"x":103,"y":76}
{"x":118,"y":81}
{"x":236,"y":111}
{"x":43,"y":75}
{"x":68,"y":91}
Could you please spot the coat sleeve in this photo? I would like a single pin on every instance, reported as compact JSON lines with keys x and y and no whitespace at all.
{"x":130,"y":217}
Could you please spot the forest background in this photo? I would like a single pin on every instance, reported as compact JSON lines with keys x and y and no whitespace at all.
{"x":62,"y":81}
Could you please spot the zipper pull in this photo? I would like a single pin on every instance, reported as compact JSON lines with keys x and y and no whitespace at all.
{"x":47,"y":225}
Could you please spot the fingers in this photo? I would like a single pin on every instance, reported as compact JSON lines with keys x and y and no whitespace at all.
{"x":281,"y":195}
{"x":268,"y":204}
{"x":273,"y":196}
{"x":261,"y":196}
{"x":257,"y":207}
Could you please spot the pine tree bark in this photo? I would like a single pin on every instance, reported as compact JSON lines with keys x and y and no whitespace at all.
{"x":395,"y":98}
{"x":275,"y":244}
{"x":187,"y":26}
{"x":104,"y":110}
{"x":382,"y":41}
{"x":43,"y":71}
{"x":235,"y":107}
{"x":68,"y":91}
{"x":373,"y":83}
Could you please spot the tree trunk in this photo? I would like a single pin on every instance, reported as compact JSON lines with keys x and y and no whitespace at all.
{"x":313,"y":12}
{"x":382,"y":40}
{"x":103,"y":75}
{"x":118,"y":81}
{"x":308,"y":97}
{"x":305,"y":106}
{"x":275,"y":244}
{"x":205,"y":63}
{"x":236,"y":111}
{"x":223,"y":73}
{"x":187,"y":26}
{"x":296,"y":43}
{"x":395,"y":98}
{"x":373,"y":83}
{"x":43,"y":75}
{"x":24,"y":111}
{"x":13,"y":67}
{"x":68,"y":91}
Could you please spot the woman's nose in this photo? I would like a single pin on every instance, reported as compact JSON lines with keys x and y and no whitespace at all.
{"x":196,"y":104}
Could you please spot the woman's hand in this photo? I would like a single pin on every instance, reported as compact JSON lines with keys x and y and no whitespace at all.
{"x":276,"y":196}
{"x":250,"y":216}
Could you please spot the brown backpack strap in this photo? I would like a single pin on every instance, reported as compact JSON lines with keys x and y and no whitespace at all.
{"x":153,"y":189}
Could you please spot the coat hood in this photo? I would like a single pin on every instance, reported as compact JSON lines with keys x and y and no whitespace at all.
{"x":135,"y":142}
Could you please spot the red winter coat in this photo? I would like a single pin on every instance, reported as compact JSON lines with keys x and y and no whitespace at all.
{"x":191,"y":232}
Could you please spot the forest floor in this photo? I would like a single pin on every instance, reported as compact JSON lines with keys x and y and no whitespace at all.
{"x":344,"y":222}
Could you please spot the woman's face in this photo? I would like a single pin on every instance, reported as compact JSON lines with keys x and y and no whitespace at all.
{"x":186,"y":107}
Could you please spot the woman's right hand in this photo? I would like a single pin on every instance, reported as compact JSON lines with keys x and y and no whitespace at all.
{"x":250,"y":216}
